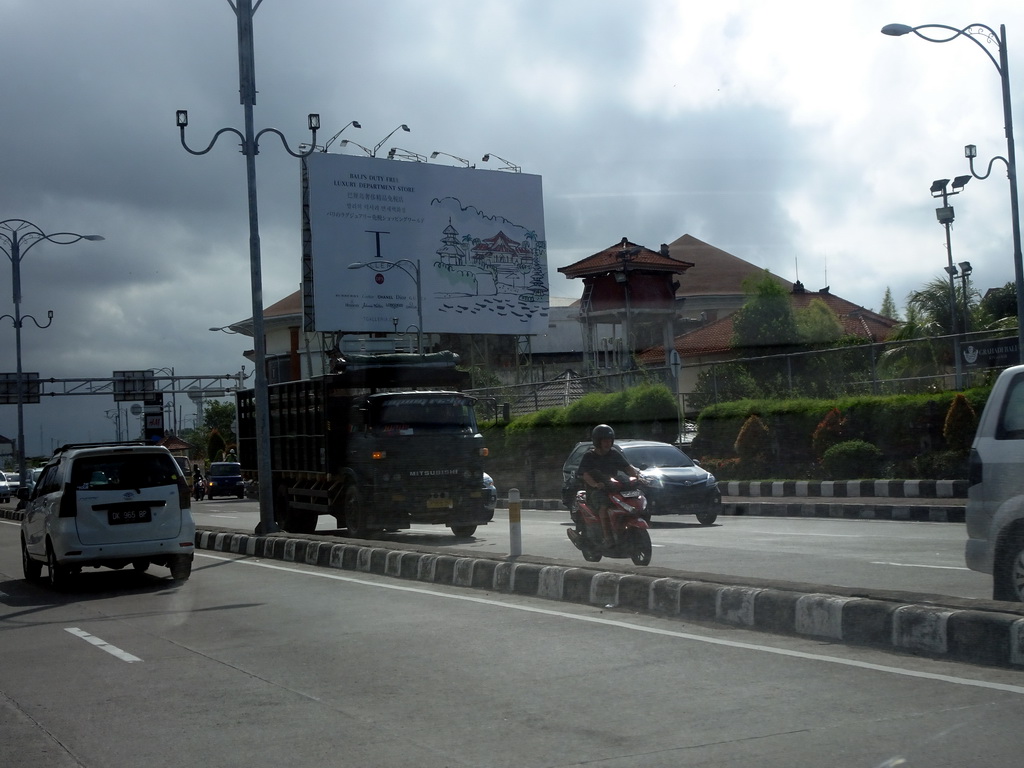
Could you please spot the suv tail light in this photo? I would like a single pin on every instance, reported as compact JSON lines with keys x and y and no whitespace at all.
{"x":68,"y":502}
{"x":974,"y":468}
{"x":184,"y":494}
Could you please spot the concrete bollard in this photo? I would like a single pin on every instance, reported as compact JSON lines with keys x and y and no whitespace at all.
{"x":515,"y":533}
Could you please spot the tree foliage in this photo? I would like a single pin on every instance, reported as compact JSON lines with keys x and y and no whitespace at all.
{"x":766,"y":322}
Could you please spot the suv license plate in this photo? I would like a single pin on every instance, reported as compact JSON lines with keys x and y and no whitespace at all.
{"x":439,"y":503}
{"x":124,"y":516}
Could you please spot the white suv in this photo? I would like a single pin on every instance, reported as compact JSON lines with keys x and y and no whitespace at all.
{"x":107,"y":505}
{"x":995,"y":497}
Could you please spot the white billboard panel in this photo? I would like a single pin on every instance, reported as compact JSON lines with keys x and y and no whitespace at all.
{"x":474,"y":237}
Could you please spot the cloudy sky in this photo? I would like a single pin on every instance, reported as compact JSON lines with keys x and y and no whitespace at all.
{"x":791,"y":134}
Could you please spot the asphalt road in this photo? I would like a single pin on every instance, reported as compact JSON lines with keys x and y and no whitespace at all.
{"x":870,"y":554}
{"x":258,"y":663}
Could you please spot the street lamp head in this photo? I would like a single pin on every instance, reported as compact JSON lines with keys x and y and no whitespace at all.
{"x":93,"y":237}
{"x":970,"y":151}
{"x":965,"y":268}
{"x":896,"y":30}
{"x":182,"y":117}
{"x":314,"y":121}
{"x":355,"y":124}
{"x":938,"y":185}
{"x":960,"y":182}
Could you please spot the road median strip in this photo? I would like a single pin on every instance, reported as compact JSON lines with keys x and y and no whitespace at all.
{"x":978,"y":632}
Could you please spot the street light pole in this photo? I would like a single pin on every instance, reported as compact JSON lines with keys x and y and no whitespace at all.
{"x":1002,"y":67}
{"x":250,"y":148}
{"x":19,"y":236}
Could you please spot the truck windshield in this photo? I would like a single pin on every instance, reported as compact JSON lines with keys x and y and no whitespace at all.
{"x":417,"y":415}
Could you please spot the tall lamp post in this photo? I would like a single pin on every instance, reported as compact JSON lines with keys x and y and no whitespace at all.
{"x":383,"y":265}
{"x":17,"y":237}
{"x":973,"y":33}
{"x":250,"y":148}
{"x":940,"y":188}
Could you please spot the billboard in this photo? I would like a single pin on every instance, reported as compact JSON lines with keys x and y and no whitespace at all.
{"x":390,"y":245}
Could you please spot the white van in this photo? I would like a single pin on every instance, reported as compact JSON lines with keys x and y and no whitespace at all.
{"x":995,"y":498}
{"x":107,"y":506}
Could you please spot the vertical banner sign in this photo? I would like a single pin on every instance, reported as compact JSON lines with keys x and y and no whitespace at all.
{"x":391,"y":245}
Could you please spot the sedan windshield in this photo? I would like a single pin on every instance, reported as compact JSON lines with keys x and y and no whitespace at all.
{"x":650,"y":456}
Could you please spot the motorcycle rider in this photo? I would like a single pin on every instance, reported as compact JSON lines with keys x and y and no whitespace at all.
{"x":197,"y":481}
{"x":597,"y":467}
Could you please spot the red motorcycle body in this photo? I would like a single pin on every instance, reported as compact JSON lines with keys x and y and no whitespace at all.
{"x":628,"y":523}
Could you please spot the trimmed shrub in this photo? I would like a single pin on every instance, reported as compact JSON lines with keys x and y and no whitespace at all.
{"x":830,"y":431}
{"x":960,"y":424}
{"x":852,"y":460}
{"x":753,"y":446}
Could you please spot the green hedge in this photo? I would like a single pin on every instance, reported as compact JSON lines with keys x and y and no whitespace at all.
{"x":904,"y":428}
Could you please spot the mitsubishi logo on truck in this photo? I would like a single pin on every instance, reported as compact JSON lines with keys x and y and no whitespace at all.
{"x":433,"y":472}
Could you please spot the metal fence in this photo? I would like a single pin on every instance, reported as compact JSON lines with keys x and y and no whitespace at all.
{"x":933,"y":364}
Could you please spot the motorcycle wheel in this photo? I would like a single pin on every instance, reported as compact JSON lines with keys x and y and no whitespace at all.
{"x":641,"y":554}
{"x":591,"y":556}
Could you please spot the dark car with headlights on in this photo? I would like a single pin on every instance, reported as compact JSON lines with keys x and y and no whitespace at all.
{"x":225,"y":479}
{"x":676,"y":484}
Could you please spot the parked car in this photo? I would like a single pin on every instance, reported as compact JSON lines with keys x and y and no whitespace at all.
{"x":224,"y":478}
{"x":995,"y":497}
{"x":107,"y":506}
{"x":677,"y":483}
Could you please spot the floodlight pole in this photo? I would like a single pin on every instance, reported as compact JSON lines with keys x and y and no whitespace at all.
{"x":971,"y":33}
{"x":244,"y":11}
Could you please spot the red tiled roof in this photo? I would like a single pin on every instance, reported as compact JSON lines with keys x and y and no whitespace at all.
{"x":716,"y":337}
{"x":715,"y":272}
{"x":616,"y":257}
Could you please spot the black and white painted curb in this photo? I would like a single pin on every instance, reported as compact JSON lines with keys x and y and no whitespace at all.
{"x":988,"y":633}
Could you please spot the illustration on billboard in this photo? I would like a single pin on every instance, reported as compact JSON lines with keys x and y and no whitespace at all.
{"x":394,"y":245}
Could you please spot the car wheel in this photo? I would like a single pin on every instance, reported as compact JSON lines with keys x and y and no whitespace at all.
{"x":463,"y":531}
{"x":641,"y":554}
{"x":709,"y":514}
{"x":1008,"y":573}
{"x":59,"y":575}
{"x":32,"y":569}
{"x":181,"y":567}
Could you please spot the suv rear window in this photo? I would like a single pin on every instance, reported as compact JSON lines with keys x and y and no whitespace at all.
{"x":129,"y":471}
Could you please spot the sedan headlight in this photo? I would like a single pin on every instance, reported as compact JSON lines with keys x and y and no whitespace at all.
{"x":653,"y":479}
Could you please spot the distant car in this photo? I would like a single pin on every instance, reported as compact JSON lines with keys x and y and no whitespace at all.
{"x":5,"y":489}
{"x":677,"y":484}
{"x":224,"y":478}
{"x":107,"y":506}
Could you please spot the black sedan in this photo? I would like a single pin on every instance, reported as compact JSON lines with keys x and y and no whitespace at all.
{"x":676,"y":483}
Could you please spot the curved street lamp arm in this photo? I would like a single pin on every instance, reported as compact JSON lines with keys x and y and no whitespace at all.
{"x":991,"y":162}
{"x":284,"y":142}
{"x":212,"y":141}
{"x":40,"y":326}
{"x":965,"y":32}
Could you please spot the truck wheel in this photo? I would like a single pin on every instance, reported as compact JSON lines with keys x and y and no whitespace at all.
{"x":355,"y":514}
{"x":463,"y":531}
{"x":1008,"y":573}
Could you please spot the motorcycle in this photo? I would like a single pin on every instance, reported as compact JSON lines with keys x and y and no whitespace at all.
{"x":199,"y":489}
{"x":628,"y":523}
